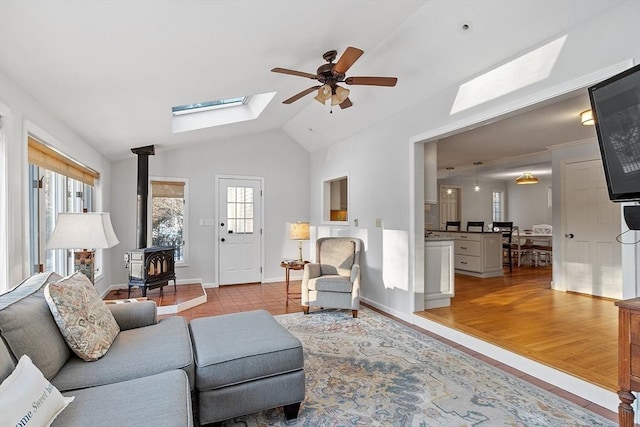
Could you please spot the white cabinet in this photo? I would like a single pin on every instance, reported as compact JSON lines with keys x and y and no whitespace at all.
{"x":438,"y":275}
{"x":476,"y":254}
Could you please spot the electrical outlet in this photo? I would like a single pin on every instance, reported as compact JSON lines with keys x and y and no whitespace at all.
{"x":378,"y":222}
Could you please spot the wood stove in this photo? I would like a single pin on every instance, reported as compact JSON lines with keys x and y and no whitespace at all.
{"x":151,"y":268}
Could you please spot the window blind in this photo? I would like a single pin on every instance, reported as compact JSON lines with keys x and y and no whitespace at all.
{"x":45,"y":157}
{"x":170,"y":189}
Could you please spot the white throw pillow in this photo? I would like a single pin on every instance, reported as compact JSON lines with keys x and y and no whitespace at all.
{"x":84,"y":320}
{"x":27,"y":399}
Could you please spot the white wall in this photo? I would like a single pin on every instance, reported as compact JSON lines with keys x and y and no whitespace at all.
{"x":272,"y":155}
{"x":29,"y":116}
{"x":476,"y":206}
{"x":528,"y":204}
{"x":386,"y":174}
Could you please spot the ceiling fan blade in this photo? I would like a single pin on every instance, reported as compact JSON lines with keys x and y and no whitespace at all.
{"x":347,"y":59}
{"x":294,"y":73}
{"x":371,"y":81}
{"x":346,"y":104}
{"x":305,"y":92}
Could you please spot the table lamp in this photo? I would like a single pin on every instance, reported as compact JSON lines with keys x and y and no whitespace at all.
{"x":86,"y":231}
{"x":299,"y":231}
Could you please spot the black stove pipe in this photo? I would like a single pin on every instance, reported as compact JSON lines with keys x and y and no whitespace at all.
{"x":142,"y":192}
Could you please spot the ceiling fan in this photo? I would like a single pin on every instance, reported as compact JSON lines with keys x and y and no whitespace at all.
{"x":331,"y":74}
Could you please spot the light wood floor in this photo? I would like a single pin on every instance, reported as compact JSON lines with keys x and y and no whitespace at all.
{"x":574,"y":333}
{"x":521,"y":295}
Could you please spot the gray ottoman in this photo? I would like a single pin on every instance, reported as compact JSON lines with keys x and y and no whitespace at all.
{"x":245,"y":363}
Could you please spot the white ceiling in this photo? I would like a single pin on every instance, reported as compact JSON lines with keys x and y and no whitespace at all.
{"x":112,"y":70}
{"x":519,"y":143}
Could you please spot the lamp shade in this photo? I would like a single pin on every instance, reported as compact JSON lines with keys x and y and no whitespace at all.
{"x":91,"y":230}
{"x":299,"y":231}
{"x":526,"y":178}
{"x":324,"y":93}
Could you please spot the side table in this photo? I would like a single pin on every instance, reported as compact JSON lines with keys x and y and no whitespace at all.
{"x":628,"y":358}
{"x":287,"y":269}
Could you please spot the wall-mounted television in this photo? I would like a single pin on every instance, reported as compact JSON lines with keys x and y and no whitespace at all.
{"x":615,"y":103}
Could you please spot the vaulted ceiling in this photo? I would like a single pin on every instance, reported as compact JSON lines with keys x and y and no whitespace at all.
{"x":112,"y":70}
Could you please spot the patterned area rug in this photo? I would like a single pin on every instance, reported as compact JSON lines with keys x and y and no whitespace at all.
{"x":373,"y":371}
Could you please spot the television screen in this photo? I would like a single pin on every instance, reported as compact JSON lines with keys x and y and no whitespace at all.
{"x":615,"y":103}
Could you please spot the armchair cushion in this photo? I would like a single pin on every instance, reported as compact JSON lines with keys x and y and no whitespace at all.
{"x":336,"y":256}
{"x":330,"y":283}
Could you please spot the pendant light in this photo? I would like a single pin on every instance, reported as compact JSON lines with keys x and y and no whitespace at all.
{"x":526,"y":178}
{"x":477,"y":187}
{"x":449,"y":190}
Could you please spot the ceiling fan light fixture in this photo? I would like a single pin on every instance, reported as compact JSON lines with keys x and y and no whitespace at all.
{"x":324,"y":93}
{"x":586,"y":117}
{"x":526,"y":178}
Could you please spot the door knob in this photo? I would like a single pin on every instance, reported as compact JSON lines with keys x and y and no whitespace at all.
{"x":569,"y":235}
{"x":222,"y":224}
{"x":222,"y":240}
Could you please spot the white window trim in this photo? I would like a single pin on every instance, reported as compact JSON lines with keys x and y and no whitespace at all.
{"x":185,"y":232}
{"x":4,"y":229}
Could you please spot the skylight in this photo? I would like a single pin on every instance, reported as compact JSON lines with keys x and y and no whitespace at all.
{"x":523,"y":71}
{"x":209,"y":105}
{"x":219,"y":112}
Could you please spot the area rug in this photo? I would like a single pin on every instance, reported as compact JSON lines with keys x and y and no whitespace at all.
{"x":374,"y":371}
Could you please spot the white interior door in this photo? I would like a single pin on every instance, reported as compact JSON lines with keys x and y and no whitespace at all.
{"x":449,"y":210}
{"x":592,"y":256}
{"x":239,"y":231}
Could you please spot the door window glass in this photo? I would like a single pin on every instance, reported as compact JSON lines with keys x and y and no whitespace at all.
{"x":240,"y":203}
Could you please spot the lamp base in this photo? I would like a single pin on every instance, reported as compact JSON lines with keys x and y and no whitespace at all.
{"x":83,"y":262}
{"x":300,"y":260}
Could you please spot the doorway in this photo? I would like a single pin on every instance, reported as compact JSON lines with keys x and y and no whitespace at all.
{"x":239,"y":229}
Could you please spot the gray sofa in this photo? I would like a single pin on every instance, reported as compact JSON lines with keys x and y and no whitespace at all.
{"x":144,"y":379}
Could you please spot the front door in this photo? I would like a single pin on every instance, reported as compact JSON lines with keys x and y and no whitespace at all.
{"x":239,"y":230}
{"x":592,"y":256}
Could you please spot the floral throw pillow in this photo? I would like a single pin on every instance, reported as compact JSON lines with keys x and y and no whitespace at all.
{"x":82,"y":317}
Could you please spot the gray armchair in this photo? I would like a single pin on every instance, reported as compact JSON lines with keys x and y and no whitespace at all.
{"x":334,"y":280}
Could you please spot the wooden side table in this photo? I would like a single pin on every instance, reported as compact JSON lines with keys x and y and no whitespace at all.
{"x":628,"y":358}
{"x":287,"y":269}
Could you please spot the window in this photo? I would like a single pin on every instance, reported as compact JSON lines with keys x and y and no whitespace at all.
{"x":169,"y":214}
{"x":240,"y":210}
{"x":497,"y":206}
{"x":335,"y":199}
{"x":58,"y":184}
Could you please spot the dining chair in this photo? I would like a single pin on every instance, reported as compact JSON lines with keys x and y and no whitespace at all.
{"x":542,"y":247}
{"x":478,"y":225}
{"x":452,"y":224}
{"x":506,"y":228}
{"x":520,"y":249}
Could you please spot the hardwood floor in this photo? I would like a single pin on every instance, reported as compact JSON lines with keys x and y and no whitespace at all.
{"x":573,"y":333}
{"x":498,"y":310}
